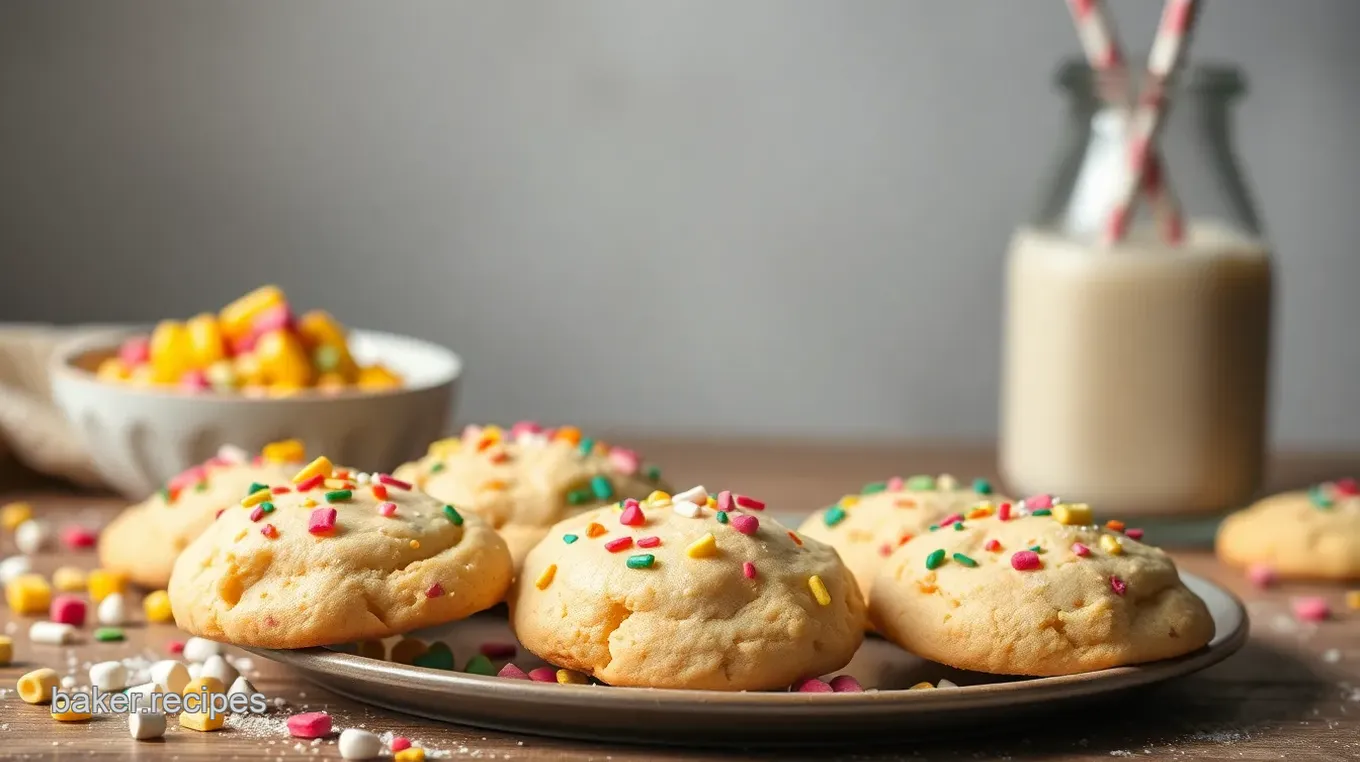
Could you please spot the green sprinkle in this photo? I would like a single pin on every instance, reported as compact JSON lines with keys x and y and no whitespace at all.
{"x":965,"y":560}
{"x":578,"y":496}
{"x":722,"y":517}
{"x":453,"y":515}
{"x":436,"y":468}
{"x":921,"y":483}
{"x":982,"y":486}
{"x":569,"y":538}
{"x":1036,"y":548}
{"x":935,"y":558}
{"x":934,"y":527}
{"x":255,"y":487}
{"x":108,"y":634}
{"x":958,"y":526}
{"x":165,"y":494}
{"x":437,"y":656}
{"x":873,"y":488}
{"x":326,"y":357}
{"x":586,"y":446}
{"x":653,"y":473}
{"x":480,"y":665}
{"x":833,"y":516}
{"x":267,"y":507}
{"x":601,"y":486}
{"x":1318,"y":497}
{"x":1042,"y":512}
{"x":339,"y":496}
{"x":201,"y":486}
{"x":641,"y":561}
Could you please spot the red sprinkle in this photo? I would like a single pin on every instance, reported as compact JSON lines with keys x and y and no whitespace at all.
{"x":387,"y":509}
{"x":379,"y":491}
{"x":256,"y":513}
{"x":846,"y":684}
{"x":175,"y":646}
{"x":280,"y":490}
{"x":748,"y":570}
{"x":76,"y":537}
{"x":894,"y":484}
{"x":617,"y":544}
{"x":1003,"y":512}
{"x":1080,"y":549}
{"x":1312,"y":609}
{"x":1347,"y":487}
{"x":67,"y":609}
{"x":1261,"y":576}
{"x":992,"y":545}
{"x":543,"y":675}
{"x":498,"y":650}
{"x":309,"y":725}
{"x":812,"y":685}
{"x":321,"y":521}
{"x":632,"y":516}
{"x":649,"y":542}
{"x":310,"y":483}
{"x":400,"y":743}
{"x":631,"y":503}
{"x":796,"y":539}
{"x":749,"y":502}
{"x":268,"y":530}
{"x":1134,"y":534}
{"x":510,"y":671}
{"x":219,"y":513}
{"x":1118,"y":586}
{"x":745,"y":524}
{"x":1025,"y":560}
{"x":885,"y":550}
{"x":725,"y":500}
{"x":434,"y":591}
{"x":389,"y":481}
{"x":950,"y":519}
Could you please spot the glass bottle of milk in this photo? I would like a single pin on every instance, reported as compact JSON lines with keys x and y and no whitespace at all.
{"x":1136,"y":372}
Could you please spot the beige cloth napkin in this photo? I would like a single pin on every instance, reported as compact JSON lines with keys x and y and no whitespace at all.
{"x":32,"y":428}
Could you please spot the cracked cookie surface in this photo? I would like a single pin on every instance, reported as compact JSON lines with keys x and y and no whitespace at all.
{"x":339,"y":562}
{"x":687,"y":592}
{"x":1036,"y":594}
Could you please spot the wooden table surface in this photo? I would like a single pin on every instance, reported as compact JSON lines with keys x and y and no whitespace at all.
{"x":1292,"y":692}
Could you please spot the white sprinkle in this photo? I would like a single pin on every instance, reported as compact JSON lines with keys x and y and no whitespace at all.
{"x":946,"y":684}
{"x":686,"y":508}
{"x":241,"y":686}
{"x":13,"y":567}
{"x":108,"y":676}
{"x":697,"y":495}
{"x":232,"y":454}
{"x":140,"y":695}
{"x":68,"y":682}
{"x":51,"y":633}
{"x":1331,"y":656}
{"x":216,"y":666}
{"x":110,"y":611}
{"x":146,"y":725}
{"x":362,"y":478}
{"x":199,"y":649}
{"x":31,"y":536}
{"x":170,"y":675}
{"x":946,"y":483}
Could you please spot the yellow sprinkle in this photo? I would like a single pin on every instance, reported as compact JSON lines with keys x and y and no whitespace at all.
{"x":156,"y":605}
{"x":819,"y":590}
{"x":204,"y":722}
{"x":28,"y":594}
{"x":595,"y":530}
{"x":704,"y":547}
{"x":415,"y":544}
{"x":335,"y":484}
{"x":658,"y":496}
{"x":322,"y":465}
{"x":921,"y":687}
{"x":309,"y":503}
{"x":546,"y":577}
{"x":105,"y":582}
{"x":981,"y":510}
{"x":6,"y":650}
{"x":1353,"y":600}
{"x":1075,"y":514}
{"x":1110,"y":544}
{"x":849,"y":501}
{"x":445,"y":447}
{"x":36,"y":687}
{"x":410,"y":754}
{"x":568,"y":677}
{"x":287,"y":451}
{"x":860,"y":535}
{"x":70,"y":715}
{"x":69,"y":579}
{"x":14,"y":514}
{"x":255,"y":498}
{"x":712,"y":502}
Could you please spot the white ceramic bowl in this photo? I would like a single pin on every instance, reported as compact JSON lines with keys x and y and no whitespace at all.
{"x":139,"y":437}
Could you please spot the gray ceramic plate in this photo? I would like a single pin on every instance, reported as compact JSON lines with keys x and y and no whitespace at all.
{"x":707,"y":717}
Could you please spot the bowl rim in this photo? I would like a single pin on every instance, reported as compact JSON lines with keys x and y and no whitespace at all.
{"x":106,"y":336}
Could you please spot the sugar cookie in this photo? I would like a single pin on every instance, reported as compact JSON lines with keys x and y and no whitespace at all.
{"x":334,"y":560}
{"x":1308,"y":534}
{"x":866,"y":528}
{"x":144,"y":540}
{"x":525,"y":479}
{"x":1036,"y":591}
{"x":687,"y":592}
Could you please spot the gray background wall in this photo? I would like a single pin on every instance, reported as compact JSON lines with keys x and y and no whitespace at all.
{"x":767,"y":216}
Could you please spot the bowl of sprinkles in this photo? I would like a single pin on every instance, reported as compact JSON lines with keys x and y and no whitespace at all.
{"x":151,"y":403}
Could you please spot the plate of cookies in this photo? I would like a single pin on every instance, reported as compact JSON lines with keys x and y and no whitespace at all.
{"x":536,"y":580}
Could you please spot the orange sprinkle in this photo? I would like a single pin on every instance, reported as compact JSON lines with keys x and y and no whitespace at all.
{"x":905,"y":503}
{"x":415,"y":544}
{"x":380,"y":491}
{"x":798,"y":540}
{"x":904,"y":539}
{"x":341,"y":474}
{"x":569,"y":433}
{"x":494,"y":485}
{"x":1114,"y":525}
{"x":595,"y":530}
{"x":980,"y":511}
{"x":499,"y":456}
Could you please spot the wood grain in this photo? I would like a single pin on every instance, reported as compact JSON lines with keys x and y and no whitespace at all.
{"x":1294,"y":690}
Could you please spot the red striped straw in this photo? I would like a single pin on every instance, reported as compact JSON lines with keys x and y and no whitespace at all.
{"x":1149,"y":116}
{"x":1100,"y":42}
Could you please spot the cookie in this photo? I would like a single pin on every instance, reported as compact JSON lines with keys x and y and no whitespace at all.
{"x":1037,"y":590}
{"x":315,"y":562}
{"x":687,"y":592}
{"x":1308,"y":534}
{"x":143,"y":541}
{"x":526,"y":479}
{"x":866,"y":528}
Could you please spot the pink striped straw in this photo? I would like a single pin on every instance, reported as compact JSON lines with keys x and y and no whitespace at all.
{"x":1100,"y":42}
{"x":1149,"y":116}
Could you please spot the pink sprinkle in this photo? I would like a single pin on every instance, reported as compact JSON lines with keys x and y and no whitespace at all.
{"x":895,"y":484}
{"x":749,"y":502}
{"x":950,"y":519}
{"x":725,"y":500}
{"x":400,"y":743}
{"x":1080,"y":549}
{"x":1118,"y":586}
{"x":258,"y":460}
{"x":885,"y":550}
{"x":219,"y":513}
{"x":309,"y":725}
{"x":244,"y":344}
{"x":1003,"y":512}
{"x":175,"y":646}
{"x":812,"y":685}
{"x":543,"y":675}
{"x":434,"y":591}
{"x":631,"y":503}
{"x":748,"y":570}
{"x":992,"y":545}
{"x":280,"y":490}
{"x":194,"y":381}
{"x":310,"y":483}
{"x":745,"y":524}
{"x":632,"y":517}
{"x":649,"y":542}
{"x":497,"y":650}
{"x":192,"y":476}
{"x":75,"y":537}
{"x":1260,"y":575}
{"x":387,"y":509}
{"x":272,"y":319}
{"x":1039,"y":502}
{"x":269,"y":531}
{"x":1133,"y":534}
{"x":1310,"y":609}
{"x":524,"y":427}
{"x":135,"y":350}
{"x":1025,"y":560}
{"x":846,"y":684}
{"x":1347,"y":487}
{"x":256,"y":513}
{"x":322,"y":520}
{"x":619,"y":543}
{"x":389,"y":481}
{"x":624,"y":461}
{"x":67,"y":609}
{"x":512,"y":672}
{"x":471,"y":432}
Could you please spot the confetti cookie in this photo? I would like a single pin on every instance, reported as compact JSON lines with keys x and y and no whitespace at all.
{"x":144,"y":540}
{"x":526,"y":479}
{"x":687,"y":592}
{"x":1036,"y":591}
{"x":1311,"y":534}
{"x":866,"y":528}
{"x":333,"y":560}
